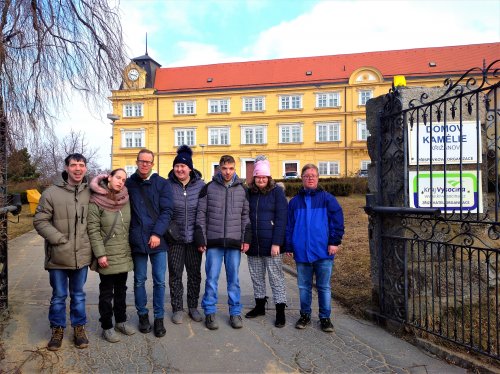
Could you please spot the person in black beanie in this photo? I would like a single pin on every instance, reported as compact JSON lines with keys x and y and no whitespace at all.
{"x":186,"y":185}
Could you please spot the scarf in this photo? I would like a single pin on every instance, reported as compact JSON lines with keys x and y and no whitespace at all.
{"x":100,"y":195}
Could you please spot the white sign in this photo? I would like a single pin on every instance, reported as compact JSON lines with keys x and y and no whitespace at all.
{"x":459,"y":140}
{"x":450,"y":191}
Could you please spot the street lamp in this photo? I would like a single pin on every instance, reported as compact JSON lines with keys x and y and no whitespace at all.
{"x":113,"y":118}
{"x":203,"y":157}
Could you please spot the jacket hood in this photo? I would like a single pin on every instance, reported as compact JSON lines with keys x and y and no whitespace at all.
{"x":304,"y":191}
{"x":236,"y":180}
{"x":194,"y":176}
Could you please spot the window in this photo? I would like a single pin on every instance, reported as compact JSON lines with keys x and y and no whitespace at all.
{"x":218,"y":106}
{"x":329,"y":168}
{"x":132,"y":138}
{"x":328,"y":100}
{"x":362,"y":130}
{"x":218,"y":136}
{"x":130,"y":169}
{"x":290,"y":133}
{"x":328,"y":132}
{"x":253,"y":135}
{"x":364,"y":164}
{"x":132,"y":110}
{"x":254,"y":104}
{"x":185,"y":107}
{"x":185,"y":136}
{"x":290,"y":102}
{"x":364,"y":96}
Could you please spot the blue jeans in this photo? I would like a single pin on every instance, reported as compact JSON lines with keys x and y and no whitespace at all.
{"x":158,"y":270}
{"x":61,"y":280}
{"x":323,"y":271}
{"x":213,"y":265}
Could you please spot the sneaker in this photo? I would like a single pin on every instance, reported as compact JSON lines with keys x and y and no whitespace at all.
{"x":195,"y":315}
{"x":177,"y":317}
{"x":110,"y":335}
{"x":159,"y":329}
{"x":55,"y":341}
{"x":236,"y":322}
{"x":304,"y":320}
{"x":210,"y":322}
{"x":80,"y":338}
{"x":124,"y":328}
{"x":326,"y":324}
{"x":144,"y":325}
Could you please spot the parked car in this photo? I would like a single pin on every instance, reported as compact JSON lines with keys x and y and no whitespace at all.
{"x":362,"y":173}
{"x":291,"y":175}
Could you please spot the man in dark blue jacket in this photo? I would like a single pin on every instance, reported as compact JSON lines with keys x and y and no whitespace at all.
{"x":152,"y":208}
{"x":314,"y":232}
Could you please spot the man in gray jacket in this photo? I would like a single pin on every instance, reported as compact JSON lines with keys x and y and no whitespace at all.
{"x":223,"y":232}
{"x":61,"y":219}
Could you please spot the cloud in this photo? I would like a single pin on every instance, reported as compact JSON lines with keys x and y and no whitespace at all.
{"x":337,"y":27}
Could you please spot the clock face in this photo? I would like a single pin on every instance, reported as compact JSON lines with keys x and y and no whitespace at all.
{"x":133,"y":74}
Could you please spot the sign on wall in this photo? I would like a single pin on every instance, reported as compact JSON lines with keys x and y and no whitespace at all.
{"x":449,"y":191}
{"x":459,"y":141}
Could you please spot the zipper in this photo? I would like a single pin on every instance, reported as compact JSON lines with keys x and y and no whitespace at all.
{"x":225,"y":216}
{"x":185,"y":212}
{"x":76,"y":225}
{"x":257,"y":225}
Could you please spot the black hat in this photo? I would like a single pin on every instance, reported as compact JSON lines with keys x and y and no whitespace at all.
{"x":184,"y":154}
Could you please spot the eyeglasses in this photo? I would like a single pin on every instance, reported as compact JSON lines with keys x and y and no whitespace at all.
{"x":145,"y":162}
{"x":309,"y":176}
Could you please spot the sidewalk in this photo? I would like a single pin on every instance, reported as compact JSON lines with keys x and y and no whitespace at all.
{"x":356,"y":346}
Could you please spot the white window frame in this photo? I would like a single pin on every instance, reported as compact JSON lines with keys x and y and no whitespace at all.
{"x":327,"y":99}
{"x":133,"y":110}
{"x":184,"y":132}
{"x":364,"y":164}
{"x":219,"y":132}
{"x":332,"y":131}
{"x":332,"y":168}
{"x":252,"y":129}
{"x":283,"y":167}
{"x":362,"y":130}
{"x":133,"y":136}
{"x":185,"y":107}
{"x":292,"y":128}
{"x":219,"y":106}
{"x":290,"y":102}
{"x":364,"y":96}
{"x":253,"y":104}
{"x":130,"y":169}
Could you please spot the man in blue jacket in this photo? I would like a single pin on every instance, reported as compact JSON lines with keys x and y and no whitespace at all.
{"x":152,"y":206}
{"x":314,"y":232}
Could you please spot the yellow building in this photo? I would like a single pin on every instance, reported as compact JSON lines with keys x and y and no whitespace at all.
{"x":295,"y":111}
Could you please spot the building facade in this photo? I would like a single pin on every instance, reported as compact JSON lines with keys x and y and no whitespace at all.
{"x":295,"y":111}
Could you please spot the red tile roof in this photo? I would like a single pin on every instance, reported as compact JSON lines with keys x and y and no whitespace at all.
{"x":325,"y":69}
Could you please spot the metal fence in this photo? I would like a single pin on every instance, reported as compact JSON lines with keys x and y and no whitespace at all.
{"x":436,"y":214}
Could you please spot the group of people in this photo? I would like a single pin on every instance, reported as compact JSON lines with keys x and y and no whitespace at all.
{"x":116,"y":224}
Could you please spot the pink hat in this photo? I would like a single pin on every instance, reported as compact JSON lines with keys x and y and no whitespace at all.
{"x":262,"y":169}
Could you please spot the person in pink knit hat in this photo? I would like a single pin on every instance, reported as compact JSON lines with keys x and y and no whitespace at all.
{"x":268,"y":216}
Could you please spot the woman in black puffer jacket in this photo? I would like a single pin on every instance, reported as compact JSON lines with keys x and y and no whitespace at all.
{"x":186,"y":185}
{"x":268,"y":216}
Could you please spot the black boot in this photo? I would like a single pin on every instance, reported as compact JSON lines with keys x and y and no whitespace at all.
{"x":159,"y":329}
{"x":259,"y":310}
{"x":280,"y":315}
{"x":144,"y":325}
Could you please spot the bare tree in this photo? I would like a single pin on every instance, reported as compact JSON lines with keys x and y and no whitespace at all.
{"x":46,"y":49}
{"x":49,"y":155}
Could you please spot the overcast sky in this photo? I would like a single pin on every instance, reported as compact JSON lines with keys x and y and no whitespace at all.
{"x":196,"y":32}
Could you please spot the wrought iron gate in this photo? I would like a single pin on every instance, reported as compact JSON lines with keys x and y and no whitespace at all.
{"x":435,"y":210}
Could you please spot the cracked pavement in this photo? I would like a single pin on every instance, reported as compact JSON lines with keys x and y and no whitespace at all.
{"x":356,"y":345}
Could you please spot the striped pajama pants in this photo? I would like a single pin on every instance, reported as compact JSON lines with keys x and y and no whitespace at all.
{"x":182,"y":255}
{"x":274,"y":266}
